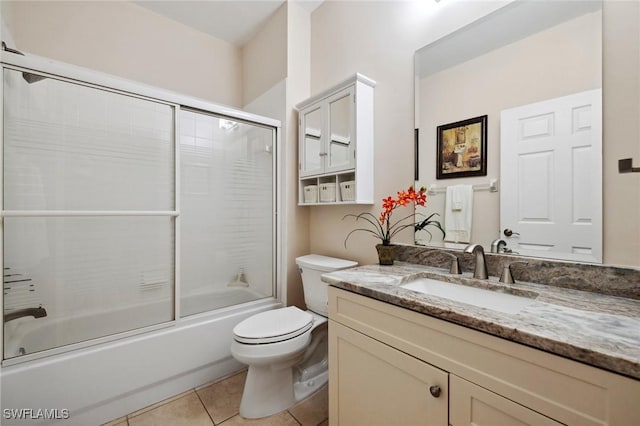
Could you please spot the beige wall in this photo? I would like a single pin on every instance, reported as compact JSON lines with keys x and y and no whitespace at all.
{"x":264,"y":57}
{"x":379,"y":39}
{"x":559,"y":61}
{"x":281,"y":50}
{"x":366,"y":37}
{"x":621,"y":108}
{"x":149,"y":48}
{"x":298,"y":89}
{"x":126,"y":40}
{"x":375,"y":38}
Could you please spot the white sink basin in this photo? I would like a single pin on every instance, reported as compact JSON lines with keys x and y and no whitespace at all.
{"x":497,"y":301}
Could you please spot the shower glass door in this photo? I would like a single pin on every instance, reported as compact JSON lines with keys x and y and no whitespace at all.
{"x":226,"y":212}
{"x":89,"y":212}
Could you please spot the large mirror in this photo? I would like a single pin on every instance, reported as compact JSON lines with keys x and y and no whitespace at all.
{"x":534,"y":69}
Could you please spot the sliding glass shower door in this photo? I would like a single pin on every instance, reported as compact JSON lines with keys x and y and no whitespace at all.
{"x":89,"y":204}
{"x":227,"y":211}
{"x":112,"y":223}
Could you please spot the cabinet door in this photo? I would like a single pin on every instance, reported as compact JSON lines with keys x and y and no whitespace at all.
{"x":312,"y":144}
{"x":471,"y":404}
{"x":340,"y":138}
{"x":371,"y":383}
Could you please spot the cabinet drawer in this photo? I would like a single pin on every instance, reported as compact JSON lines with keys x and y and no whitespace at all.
{"x":565,"y":390}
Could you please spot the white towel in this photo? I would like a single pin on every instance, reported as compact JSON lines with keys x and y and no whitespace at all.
{"x":458,"y":210}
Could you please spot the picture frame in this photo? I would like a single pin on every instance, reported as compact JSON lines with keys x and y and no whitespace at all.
{"x":462,"y":148}
{"x":416,"y":154}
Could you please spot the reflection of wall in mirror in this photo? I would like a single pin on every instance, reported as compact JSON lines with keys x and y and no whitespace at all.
{"x":558,"y":61}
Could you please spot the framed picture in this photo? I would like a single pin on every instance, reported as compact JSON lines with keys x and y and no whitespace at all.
{"x":416,"y":155}
{"x":462,"y":149}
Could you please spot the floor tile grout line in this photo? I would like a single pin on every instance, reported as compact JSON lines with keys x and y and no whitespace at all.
{"x":222,"y":379}
{"x":205,"y":407}
{"x":218,"y":382}
{"x":294,"y":418}
{"x":158,"y":404}
{"x":169,"y":400}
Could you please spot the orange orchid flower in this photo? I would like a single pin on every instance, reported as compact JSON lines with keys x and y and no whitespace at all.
{"x":384,"y":229}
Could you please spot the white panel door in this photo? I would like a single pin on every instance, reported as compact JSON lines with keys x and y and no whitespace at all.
{"x":551,"y":170}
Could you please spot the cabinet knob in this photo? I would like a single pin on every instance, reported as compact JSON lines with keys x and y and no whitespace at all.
{"x":435,"y":391}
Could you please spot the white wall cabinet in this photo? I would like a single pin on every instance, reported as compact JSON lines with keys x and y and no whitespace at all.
{"x":336,"y":144}
{"x":383,"y":361}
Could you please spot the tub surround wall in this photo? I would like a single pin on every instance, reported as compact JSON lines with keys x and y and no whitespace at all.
{"x":609,"y":280}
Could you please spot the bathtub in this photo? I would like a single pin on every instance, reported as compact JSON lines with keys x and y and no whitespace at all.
{"x":32,"y":336}
{"x":135,"y":370}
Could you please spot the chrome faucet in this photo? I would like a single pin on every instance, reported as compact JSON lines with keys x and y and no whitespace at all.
{"x":498,"y":246}
{"x":507,"y":275}
{"x":38,"y":312}
{"x":454,"y":267}
{"x":480,"y":270}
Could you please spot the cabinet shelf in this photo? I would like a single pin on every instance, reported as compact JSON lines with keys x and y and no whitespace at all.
{"x":336,"y":145}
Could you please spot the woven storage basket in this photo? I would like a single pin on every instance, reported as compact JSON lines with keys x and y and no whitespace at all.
{"x":327,"y":192}
{"x":311,"y":194}
{"x":348,"y":190}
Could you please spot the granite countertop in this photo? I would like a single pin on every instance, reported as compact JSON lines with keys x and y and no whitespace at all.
{"x":596,"y":329}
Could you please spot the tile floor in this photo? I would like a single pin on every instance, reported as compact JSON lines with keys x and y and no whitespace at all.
{"x":218,"y":404}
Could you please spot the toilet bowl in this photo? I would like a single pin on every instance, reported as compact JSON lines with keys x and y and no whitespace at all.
{"x":286,"y":348}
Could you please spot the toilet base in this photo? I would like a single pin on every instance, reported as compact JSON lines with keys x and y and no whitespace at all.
{"x":301,"y":390}
{"x":266,"y":392}
{"x":313,"y":372}
{"x":272,"y":388}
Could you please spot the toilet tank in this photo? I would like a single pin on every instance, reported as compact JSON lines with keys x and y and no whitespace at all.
{"x":311,"y":267}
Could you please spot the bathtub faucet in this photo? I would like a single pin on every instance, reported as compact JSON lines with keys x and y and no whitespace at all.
{"x":38,"y":312}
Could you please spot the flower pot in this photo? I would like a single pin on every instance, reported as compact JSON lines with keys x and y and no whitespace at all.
{"x":386,"y":254}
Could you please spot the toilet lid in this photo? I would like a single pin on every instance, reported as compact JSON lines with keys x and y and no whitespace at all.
{"x":273,"y":326}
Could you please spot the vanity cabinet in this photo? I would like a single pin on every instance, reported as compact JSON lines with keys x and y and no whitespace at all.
{"x":364,"y":364}
{"x":471,"y":404}
{"x":335,"y":148}
{"x":383,"y":361}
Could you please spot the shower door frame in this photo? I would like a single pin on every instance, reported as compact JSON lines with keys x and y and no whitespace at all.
{"x":97,"y":80}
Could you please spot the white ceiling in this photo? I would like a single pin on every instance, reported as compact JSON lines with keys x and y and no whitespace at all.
{"x":234,"y":21}
{"x":506,"y":25}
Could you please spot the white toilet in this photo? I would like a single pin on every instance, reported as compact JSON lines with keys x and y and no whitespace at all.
{"x":286,"y":348}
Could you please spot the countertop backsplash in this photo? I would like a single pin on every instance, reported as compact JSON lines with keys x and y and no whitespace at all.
{"x":603,"y":279}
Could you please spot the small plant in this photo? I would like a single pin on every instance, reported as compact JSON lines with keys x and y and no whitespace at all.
{"x":383,"y":228}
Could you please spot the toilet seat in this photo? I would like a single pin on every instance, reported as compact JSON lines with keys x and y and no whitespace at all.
{"x":273,"y":326}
